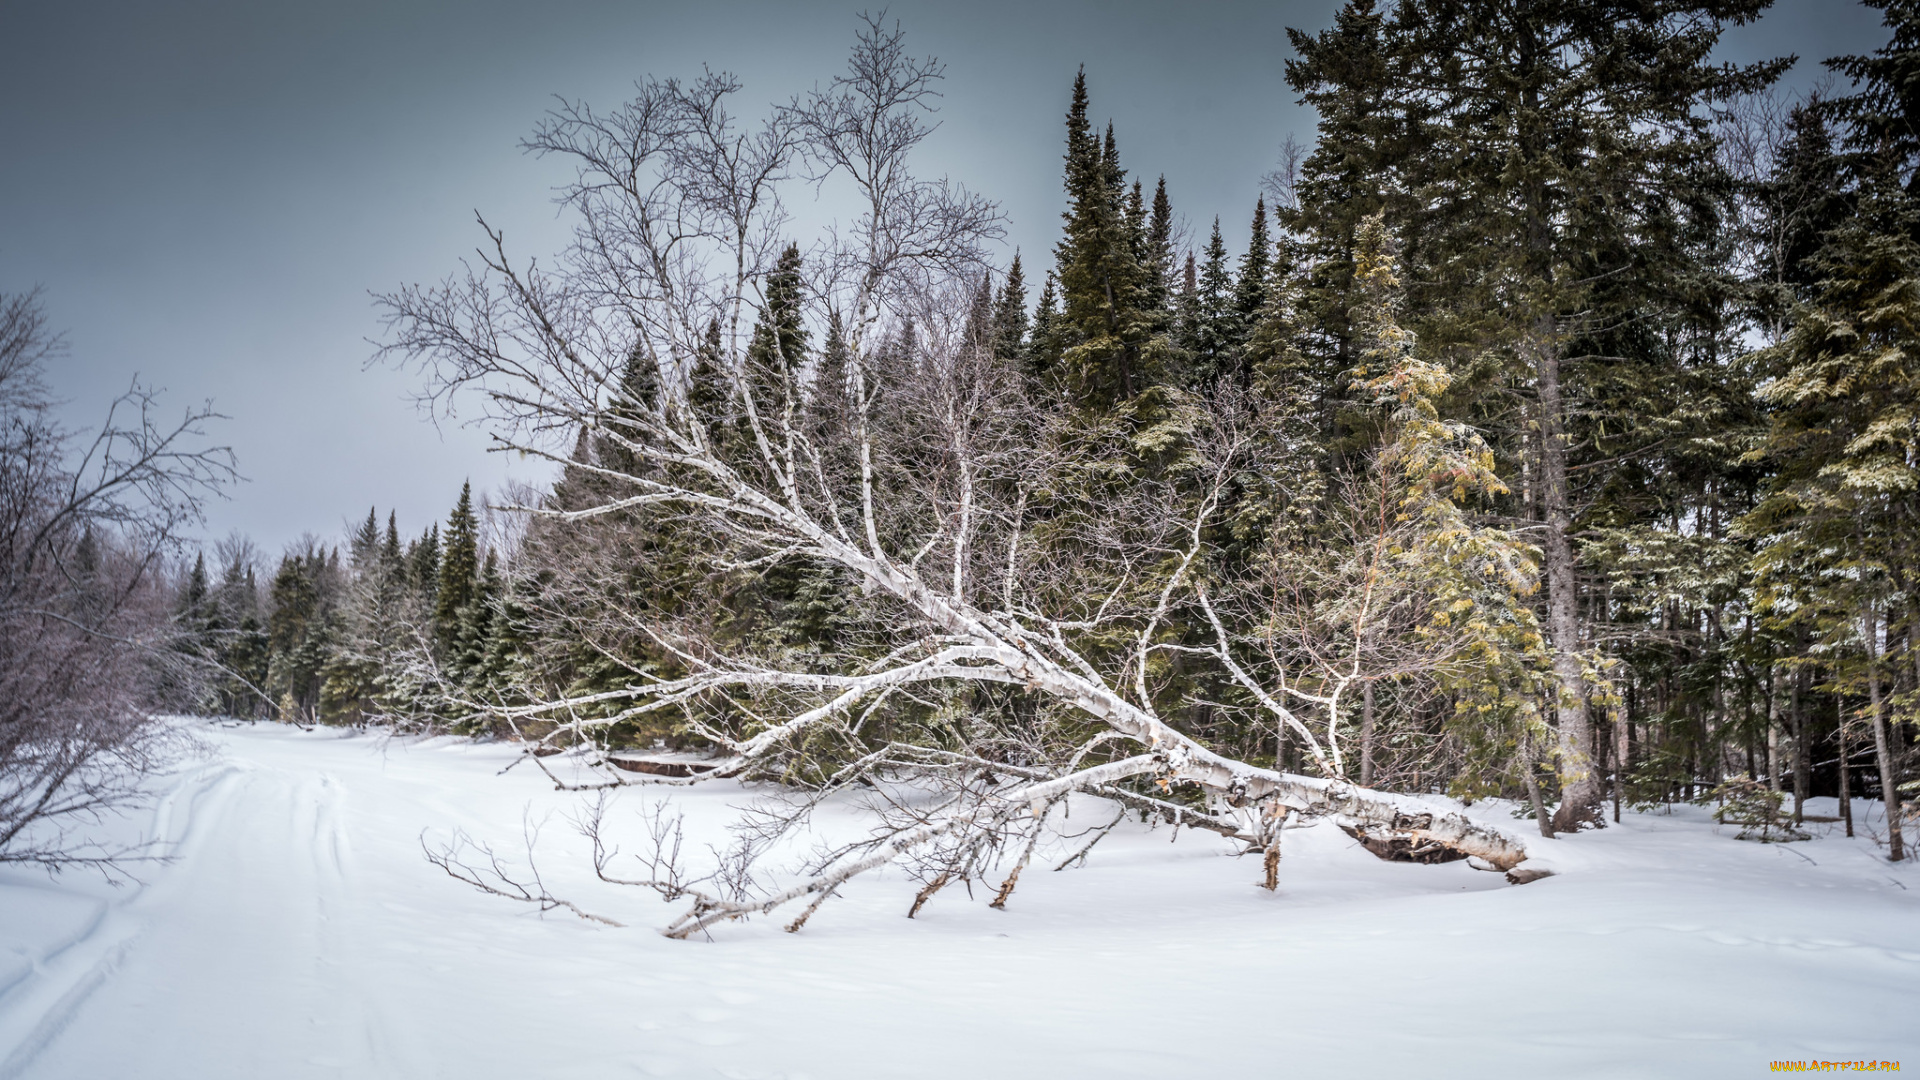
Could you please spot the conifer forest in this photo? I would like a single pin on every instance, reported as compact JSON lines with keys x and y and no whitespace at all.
{"x":1537,"y":450}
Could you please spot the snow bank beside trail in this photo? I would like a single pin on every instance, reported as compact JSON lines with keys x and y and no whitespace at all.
{"x":301,"y":933}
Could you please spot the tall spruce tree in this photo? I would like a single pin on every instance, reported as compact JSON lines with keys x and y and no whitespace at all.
{"x":1250,"y":288}
{"x":1114,"y":345}
{"x":1840,"y":513}
{"x":1213,"y":326}
{"x":459,"y":572}
{"x":423,"y":564}
{"x":1044,"y":346}
{"x":1563,"y":166}
{"x":833,"y":379}
{"x":778,"y":347}
{"x":1803,"y":199}
{"x":1010,"y":317}
{"x":1160,"y":283}
{"x":977,"y":332}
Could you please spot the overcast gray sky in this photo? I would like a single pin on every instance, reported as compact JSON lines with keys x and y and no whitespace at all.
{"x":209,"y":190}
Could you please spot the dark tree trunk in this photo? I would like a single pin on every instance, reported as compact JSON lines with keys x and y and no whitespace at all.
{"x":1846,"y":788}
{"x":1802,"y":755}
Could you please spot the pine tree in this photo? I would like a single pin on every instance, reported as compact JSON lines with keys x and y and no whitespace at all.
{"x":977,"y":333}
{"x":1561,"y":161}
{"x":1803,"y":200}
{"x":459,"y":570}
{"x":833,"y":380}
{"x":423,"y":564}
{"x":1476,"y":580}
{"x":1044,"y":347}
{"x":391,"y":558}
{"x":300,"y":631}
{"x":778,"y":347}
{"x":472,"y":640}
{"x":239,"y":639}
{"x":1274,"y":361}
{"x":1010,"y":317}
{"x":710,"y":390}
{"x":1160,"y":249}
{"x":1839,"y":515}
{"x":1114,"y":347}
{"x":364,"y":546}
{"x":1186,"y":309}
{"x":639,"y":390}
{"x":194,"y":594}
{"x":1250,"y":289}
{"x":1880,"y":115}
{"x":1213,"y":324}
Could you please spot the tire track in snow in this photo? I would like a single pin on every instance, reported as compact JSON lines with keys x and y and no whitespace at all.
{"x":382,"y":1050}
{"x":38,"y":1006}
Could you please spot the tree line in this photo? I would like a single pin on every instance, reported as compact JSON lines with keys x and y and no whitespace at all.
{"x":371,"y":630}
{"x":1553,"y":435}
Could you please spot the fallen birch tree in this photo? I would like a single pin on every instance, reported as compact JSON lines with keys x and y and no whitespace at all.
{"x":1023,"y":589}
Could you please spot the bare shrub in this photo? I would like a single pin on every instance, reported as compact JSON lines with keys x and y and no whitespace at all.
{"x":86,"y":524}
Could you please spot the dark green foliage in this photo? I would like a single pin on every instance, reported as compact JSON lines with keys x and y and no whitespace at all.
{"x":1802,"y":200}
{"x":1489,"y":365}
{"x":1113,"y":340}
{"x":1160,"y":248}
{"x":423,"y":564}
{"x":1010,"y":317}
{"x":778,"y":349}
{"x":1250,"y":288}
{"x":1212,"y":326}
{"x":302,"y":630}
{"x":459,"y":571}
{"x":1044,"y":348}
{"x":1880,"y":117}
{"x":832,"y":387}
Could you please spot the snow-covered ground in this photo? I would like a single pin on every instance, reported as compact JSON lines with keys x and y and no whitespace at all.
{"x":300,"y":932}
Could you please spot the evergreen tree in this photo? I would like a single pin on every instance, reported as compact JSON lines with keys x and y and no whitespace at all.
{"x":472,"y":644}
{"x":240,"y":638}
{"x":710,"y":390}
{"x":1160,"y":249}
{"x":1114,"y":346}
{"x":778,"y":347}
{"x":1045,"y":346}
{"x":1213,"y":323}
{"x":1882,"y":115}
{"x":301,"y":631}
{"x":1345,"y":75}
{"x":833,"y":380}
{"x":1250,"y":289}
{"x":363,"y":547}
{"x":423,"y":565}
{"x":1567,"y":197}
{"x":1839,"y":515}
{"x":391,"y":557}
{"x":459,"y":571}
{"x":1187,"y":318}
{"x":977,"y":333}
{"x":194,"y":594}
{"x":1803,"y":200}
{"x":1010,"y":317}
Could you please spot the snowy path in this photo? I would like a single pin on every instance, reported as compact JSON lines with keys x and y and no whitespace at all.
{"x":301,"y":934}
